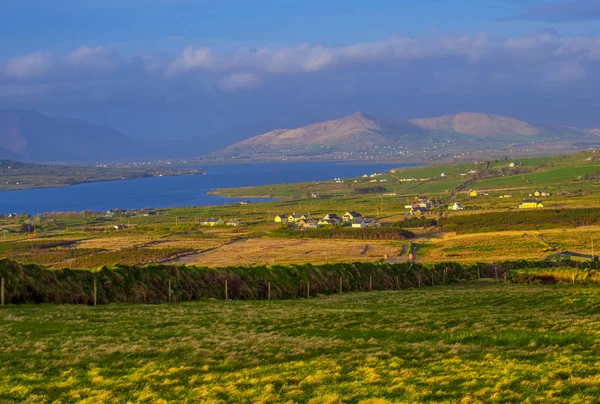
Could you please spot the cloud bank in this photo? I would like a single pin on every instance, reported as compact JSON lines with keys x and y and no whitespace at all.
{"x":439,"y":61}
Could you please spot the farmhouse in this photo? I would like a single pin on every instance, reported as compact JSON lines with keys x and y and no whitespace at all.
{"x":119,"y":227}
{"x":328,"y":222}
{"x":310,"y":224}
{"x":333,"y":218}
{"x":295,"y":217}
{"x":541,"y":193}
{"x":531,"y":204}
{"x":426,"y":205}
{"x":281,"y":219}
{"x":418,"y":211}
{"x":233,"y":223}
{"x":213,"y":221}
{"x":472,"y":192}
{"x":455,"y":206}
{"x":364,"y":222}
{"x":351,"y":216}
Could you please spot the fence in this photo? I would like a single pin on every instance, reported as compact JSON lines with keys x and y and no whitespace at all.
{"x":163,"y":283}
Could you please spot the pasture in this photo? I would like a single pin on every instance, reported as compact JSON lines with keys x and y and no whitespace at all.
{"x":473,"y":343}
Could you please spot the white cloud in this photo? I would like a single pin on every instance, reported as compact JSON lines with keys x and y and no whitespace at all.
{"x":239,"y":81}
{"x":98,"y":58}
{"x":29,"y":66}
{"x":191,"y":59}
{"x":306,"y":58}
{"x":539,"y":57}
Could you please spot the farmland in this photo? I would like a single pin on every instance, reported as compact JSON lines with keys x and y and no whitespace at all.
{"x":479,"y":342}
{"x":569,"y":221}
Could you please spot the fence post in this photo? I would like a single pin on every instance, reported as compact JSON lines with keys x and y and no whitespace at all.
{"x":2,"y":293}
{"x":269,"y":291}
{"x":445,"y":275}
{"x":170,"y":291}
{"x":496,"y":271}
{"x":95,"y":292}
{"x":370,"y":282}
{"x":573,"y":278}
{"x":341,"y":291}
{"x":506,"y":277}
{"x":226,"y":291}
{"x":308,"y":290}
{"x":478,"y":273}
{"x":419,"y":279}
{"x":397,"y":283}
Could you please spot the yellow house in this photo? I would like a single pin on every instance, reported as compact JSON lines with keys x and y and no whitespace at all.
{"x":213,"y":221}
{"x":295,"y":217}
{"x":473,"y":193}
{"x":531,"y":204}
{"x":281,"y":219}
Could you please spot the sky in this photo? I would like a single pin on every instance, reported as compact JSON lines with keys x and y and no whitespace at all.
{"x":167,"y":69}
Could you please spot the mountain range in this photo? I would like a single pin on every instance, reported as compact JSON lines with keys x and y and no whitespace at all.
{"x":463,"y":131}
{"x":32,"y":136}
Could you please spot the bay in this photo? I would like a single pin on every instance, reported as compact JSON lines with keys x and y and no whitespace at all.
{"x":164,"y":192}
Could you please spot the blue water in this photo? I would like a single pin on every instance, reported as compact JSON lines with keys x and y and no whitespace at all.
{"x":175,"y":191}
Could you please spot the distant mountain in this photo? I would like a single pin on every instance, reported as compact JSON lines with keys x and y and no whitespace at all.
{"x":461,"y":132}
{"x":348,"y":133}
{"x":470,"y":123}
{"x":31,"y":136}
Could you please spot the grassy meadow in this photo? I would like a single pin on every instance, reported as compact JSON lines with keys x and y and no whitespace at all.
{"x":474,"y":343}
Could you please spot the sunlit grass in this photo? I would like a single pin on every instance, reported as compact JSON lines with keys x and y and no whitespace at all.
{"x":475,"y":343}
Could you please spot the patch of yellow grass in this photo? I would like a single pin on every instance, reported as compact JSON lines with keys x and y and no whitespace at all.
{"x":277,"y":251}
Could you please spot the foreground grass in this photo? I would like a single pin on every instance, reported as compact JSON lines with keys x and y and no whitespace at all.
{"x":475,"y":343}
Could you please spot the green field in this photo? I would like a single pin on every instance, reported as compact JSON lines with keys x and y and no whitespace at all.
{"x":480,"y":342}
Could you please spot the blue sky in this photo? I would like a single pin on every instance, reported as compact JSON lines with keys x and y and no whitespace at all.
{"x":210,"y":64}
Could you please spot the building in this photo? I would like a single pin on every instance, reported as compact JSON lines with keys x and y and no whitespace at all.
{"x":426,"y":205}
{"x":455,"y":206}
{"x":541,"y":193}
{"x":213,"y":221}
{"x":364,"y":222}
{"x":281,"y":219}
{"x":233,"y":223}
{"x":472,"y":193}
{"x":351,"y":216}
{"x":333,"y":217}
{"x":418,"y":211}
{"x":328,"y":222}
{"x":295,"y":217}
{"x":531,"y":204}
{"x":310,"y":224}
{"x":119,"y":227}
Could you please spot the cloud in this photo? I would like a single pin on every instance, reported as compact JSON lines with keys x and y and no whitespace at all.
{"x":29,"y":66}
{"x":561,"y":11}
{"x":191,"y":59}
{"x":98,"y":58}
{"x":239,"y":81}
{"x":452,"y":63}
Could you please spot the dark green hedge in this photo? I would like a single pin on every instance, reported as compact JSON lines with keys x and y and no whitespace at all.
{"x":519,"y":220}
{"x":150,"y":284}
